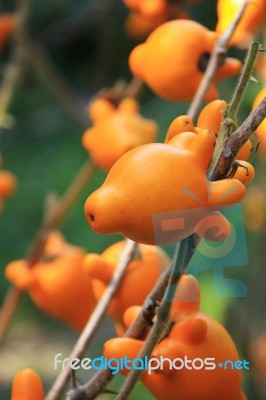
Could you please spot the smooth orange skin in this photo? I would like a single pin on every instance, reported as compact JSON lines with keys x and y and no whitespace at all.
{"x":158,"y":178}
{"x":250,"y":24}
{"x":115,"y":131}
{"x":245,"y":151}
{"x":8,"y":23}
{"x":168,"y":61}
{"x":148,"y":8}
{"x":181,"y":124}
{"x":58,"y":286}
{"x":140,"y":277}
{"x":194,"y":335}
{"x":27,"y":385}
{"x":8,"y":183}
{"x":261,"y":130}
{"x":212,"y":115}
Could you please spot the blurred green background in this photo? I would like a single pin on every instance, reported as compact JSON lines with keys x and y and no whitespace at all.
{"x":86,"y":44}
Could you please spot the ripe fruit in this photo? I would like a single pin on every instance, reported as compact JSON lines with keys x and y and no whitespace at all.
{"x":158,"y":193}
{"x":174,"y":57}
{"x":116,"y":130}
{"x":57,"y":284}
{"x":194,"y":335}
{"x":27,"y":385}
{"x":141,"y":275}
{"x":251,"y":23}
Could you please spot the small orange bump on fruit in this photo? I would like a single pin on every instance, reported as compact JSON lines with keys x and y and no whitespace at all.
{"x":181,"y":124}
{"x":211,"y":116}
{"x":27,"y":385}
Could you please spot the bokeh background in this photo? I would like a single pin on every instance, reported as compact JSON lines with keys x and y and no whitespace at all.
{"x":84,"y":48}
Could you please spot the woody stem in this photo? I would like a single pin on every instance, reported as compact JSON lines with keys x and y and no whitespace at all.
{"x":229,"y":124}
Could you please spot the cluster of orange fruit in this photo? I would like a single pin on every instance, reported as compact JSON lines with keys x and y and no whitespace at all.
{"x":193,"y":334}
{"x":146,"y":15}
{"x":67,"y":269}
{"x":146,"y":179}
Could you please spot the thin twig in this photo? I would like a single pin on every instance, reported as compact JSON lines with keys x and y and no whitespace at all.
{"x":218,"y":55}
{"x":53,"y":217}
{"x":95,"y":320}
